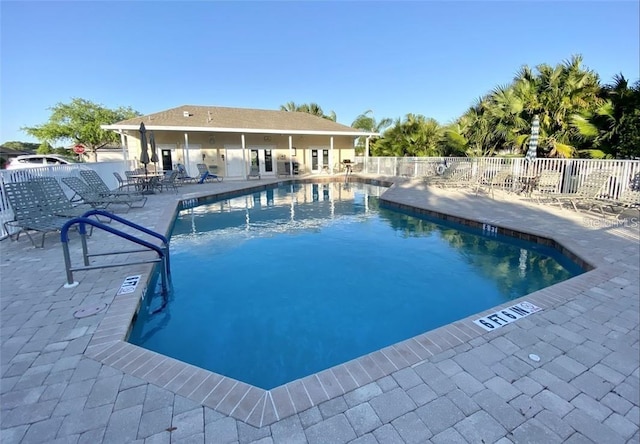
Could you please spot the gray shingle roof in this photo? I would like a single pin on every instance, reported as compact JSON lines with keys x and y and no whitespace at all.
{"x":216,"y":117}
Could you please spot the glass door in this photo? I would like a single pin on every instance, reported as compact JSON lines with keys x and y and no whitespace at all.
{"x":167,"y":163}
{"x":268,"y":162}
{"x":254,"y":160}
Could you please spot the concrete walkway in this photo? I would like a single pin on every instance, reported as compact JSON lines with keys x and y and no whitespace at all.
{"x":585,"y":387}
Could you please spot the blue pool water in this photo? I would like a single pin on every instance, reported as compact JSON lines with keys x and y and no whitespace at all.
{"x":273,"y":286}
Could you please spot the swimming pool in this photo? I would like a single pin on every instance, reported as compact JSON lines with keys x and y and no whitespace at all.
{"x":276,"y":285}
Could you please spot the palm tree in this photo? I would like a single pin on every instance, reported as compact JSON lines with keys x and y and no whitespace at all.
{"x":564,"y":92}
{"x":367,"y":122}
{"x":309,"y":108}
{"x":476,"y":127}
{"x":454,"y":141}
{"x":505,"y":112}
{"x":557,"y":94}
{"x":416,"y":135}
{"x":423,"y":136}
{"x":390,"y":144}
{"x":617,"y":118}
{"x":289,"y":106}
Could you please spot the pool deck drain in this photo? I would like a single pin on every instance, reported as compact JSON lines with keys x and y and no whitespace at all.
{"x":76,"y":380}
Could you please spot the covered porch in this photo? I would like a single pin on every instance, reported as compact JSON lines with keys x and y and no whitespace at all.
{"x":242,"y":143}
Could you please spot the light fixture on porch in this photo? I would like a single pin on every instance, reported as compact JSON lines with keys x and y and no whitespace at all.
{"x":267,"y":138}
{"x":212,"y":140}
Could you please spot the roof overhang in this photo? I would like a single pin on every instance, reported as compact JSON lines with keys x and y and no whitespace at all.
{"x":188,"y":129}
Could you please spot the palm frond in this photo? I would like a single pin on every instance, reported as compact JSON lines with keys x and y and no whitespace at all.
{"x":594,"y":154}
{"x":585,"y":128}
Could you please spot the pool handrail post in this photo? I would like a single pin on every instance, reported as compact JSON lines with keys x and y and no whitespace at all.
{"x":85,"y":248}
{"x":64,"y":239}
{"x":67,"y":265}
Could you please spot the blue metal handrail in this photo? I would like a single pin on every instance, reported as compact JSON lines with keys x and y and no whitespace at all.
{"x":165,"y":240}
{"x":163,"y":251}
{"x":104,"y":213}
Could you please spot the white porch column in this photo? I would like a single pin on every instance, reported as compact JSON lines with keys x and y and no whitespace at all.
{"x":331,"y":162}
{"x":244,"y":159}
{"x":125,"y":149}
{"x":291,"y":159}
{"x":366,"y":154}
{"x":293,"y":199}
{"x":186,"y":154}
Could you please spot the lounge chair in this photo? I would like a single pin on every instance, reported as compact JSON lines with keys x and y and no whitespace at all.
{"x":441,"y":172}
{"x":548,"y":183}
{"x":94,"y":180}
{"x":254,"y":171}
{"x":502,"y":179}
{"x":133,"y":181}
{"x":125,"y":184}
{"x":29,"y":213}
{"x":168,"y":181}
{"x":629,"y":199}
{"x":89,"y":196}
{"x":588,"y":194}
{"x":456,"y":174}
{"x":183,"y":177}
{"x":55,"y":201}
{"x":205,"y":175}
{"x":634,"y":183}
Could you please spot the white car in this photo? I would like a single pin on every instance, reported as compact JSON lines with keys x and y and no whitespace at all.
{"x":36,"y":160}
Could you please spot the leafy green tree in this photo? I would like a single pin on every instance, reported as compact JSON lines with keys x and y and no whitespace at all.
{"x":309,"y":108}
{"x":45,"y":148}
{"x":21,"y":146}
{"x":367,"y":122}
{"x":65,"y":152}
{"x":629,"y":146}
{"x":79,"y":122}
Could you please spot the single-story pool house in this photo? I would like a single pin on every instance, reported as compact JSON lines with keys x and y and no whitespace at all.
{"x":240,"y":142}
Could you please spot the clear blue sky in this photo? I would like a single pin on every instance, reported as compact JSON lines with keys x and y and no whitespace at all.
{"x":426,"y":57}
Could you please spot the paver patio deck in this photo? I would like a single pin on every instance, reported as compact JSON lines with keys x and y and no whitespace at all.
{"x":74,"y":380}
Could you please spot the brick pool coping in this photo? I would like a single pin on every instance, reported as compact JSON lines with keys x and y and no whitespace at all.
{"x":259,"y":407}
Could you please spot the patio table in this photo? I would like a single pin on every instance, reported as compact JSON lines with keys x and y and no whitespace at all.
{"x":529,"y":184}
{"x":146,"y":181}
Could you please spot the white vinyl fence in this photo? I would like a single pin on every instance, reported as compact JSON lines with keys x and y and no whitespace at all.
{"x":104,"y":169}
{"x":625,"y":174}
